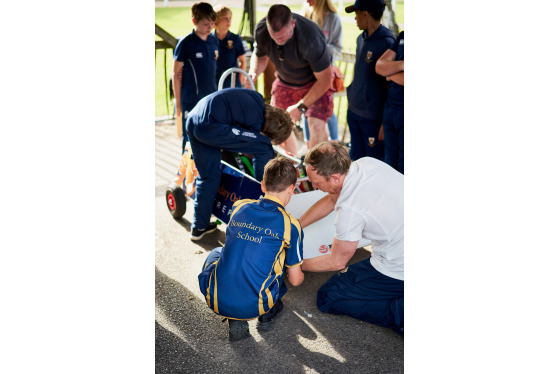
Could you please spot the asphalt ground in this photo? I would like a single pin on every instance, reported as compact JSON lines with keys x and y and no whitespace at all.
{"x":190,"y":338}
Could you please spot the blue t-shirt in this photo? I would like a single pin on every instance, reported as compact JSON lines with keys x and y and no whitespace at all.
{"x":231,"y":47}
{"x":262,"y":239}
{"x":396,"y":91}
{"x":199,"y":69}
{"x":368,"y":91}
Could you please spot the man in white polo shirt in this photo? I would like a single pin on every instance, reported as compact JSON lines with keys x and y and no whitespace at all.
{"x":368,"y":197}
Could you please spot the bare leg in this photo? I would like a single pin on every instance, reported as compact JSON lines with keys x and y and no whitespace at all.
{"x":317,"y":131}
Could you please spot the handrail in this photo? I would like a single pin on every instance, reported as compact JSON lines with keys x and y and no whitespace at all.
{"x":167,"y":37}
{"x":232,"y":71}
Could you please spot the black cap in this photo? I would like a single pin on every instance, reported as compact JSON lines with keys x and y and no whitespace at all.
{"x":367,"y":5}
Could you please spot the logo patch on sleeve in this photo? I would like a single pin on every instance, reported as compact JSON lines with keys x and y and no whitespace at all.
{"x":249,"y":134}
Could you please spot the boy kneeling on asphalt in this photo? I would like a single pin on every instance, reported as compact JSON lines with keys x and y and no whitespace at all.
{"x":244,"y":279}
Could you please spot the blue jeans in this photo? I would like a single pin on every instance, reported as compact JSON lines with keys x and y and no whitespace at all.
{"x":332,"y":127}
{"x":364,"y":293}
{"x":393,"y":127}
{"x":364,"y":134}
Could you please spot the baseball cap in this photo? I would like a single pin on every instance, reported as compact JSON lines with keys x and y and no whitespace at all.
{"x":367,"y":5}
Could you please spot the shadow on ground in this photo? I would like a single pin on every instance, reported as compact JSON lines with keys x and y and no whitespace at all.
{"x":190,"y":338}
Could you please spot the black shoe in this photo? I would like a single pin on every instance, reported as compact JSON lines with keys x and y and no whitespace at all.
{"x":265,"y":321}
{"x":238,"y":330}
{"x":196,"y":234}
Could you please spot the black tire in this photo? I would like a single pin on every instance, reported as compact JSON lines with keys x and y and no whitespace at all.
{"x":176,"y":201}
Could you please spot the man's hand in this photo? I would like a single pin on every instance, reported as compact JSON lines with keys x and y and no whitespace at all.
{"x":294,"y":112}
{"x":341,"y":252}
{"x":253,"y":77}
{"x":257,"y":66}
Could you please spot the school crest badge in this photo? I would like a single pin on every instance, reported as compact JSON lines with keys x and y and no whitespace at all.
{"x":230,"y":44}
{"x":368,"y":56}
{"x":216,"y":54}
{"x":371,"y":142}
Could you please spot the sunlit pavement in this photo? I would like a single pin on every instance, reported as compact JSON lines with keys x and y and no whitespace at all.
{"x":190,"y":338}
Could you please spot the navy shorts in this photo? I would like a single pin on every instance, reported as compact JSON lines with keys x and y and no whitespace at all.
{"x":362,"y":292}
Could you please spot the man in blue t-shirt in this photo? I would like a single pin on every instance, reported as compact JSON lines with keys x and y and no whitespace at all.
{"x":194,"y":66}
{"x":244,"y":279}
{"x":391,"y":65}
{"x":368,"y":90}
{"x":235,"y":120}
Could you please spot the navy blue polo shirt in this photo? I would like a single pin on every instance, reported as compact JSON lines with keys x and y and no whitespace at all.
{"x":368,"y":91}
{"x":396,"y":91}
{"x":199,"y":69}
{"x":231,"y":47}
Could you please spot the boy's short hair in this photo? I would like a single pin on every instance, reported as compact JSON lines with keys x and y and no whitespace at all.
{"x":278,"y":17}
{"x":221,"y":10}
{"x":328,"y":158}
{"x":377,"y":14}
{"x":202,"y":11}
{"x":277,"y":124}
{"x":279,"y":174}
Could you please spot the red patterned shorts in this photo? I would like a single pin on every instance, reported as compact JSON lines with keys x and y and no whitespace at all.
{"x":284,"y":96}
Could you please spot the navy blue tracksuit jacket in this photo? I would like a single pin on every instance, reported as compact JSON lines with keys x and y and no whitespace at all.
{"x":229,"y":119}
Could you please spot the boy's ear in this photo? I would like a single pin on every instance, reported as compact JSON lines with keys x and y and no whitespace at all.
{"x":194,"y":21}
{"x":262,"y":187}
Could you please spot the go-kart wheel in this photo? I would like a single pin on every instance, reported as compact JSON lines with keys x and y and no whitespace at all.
{"x":176,"y":201}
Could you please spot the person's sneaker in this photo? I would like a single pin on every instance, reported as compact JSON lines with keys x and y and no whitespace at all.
{"x":265,"y":321}
{"x":238,"y":330}
{"x":196,"y":234}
